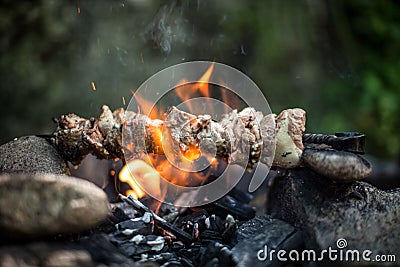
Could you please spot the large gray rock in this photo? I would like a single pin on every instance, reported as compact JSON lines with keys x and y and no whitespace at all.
{"x":33,"y":205}
{"x":366,"y":217}
{"x":31,"y":154}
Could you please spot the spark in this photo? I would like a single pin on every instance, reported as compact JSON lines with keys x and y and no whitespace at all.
{"x":93,"y":86}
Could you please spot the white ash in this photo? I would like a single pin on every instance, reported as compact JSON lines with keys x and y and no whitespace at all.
{"x":137,"y":239}
{"x":147,"y":217}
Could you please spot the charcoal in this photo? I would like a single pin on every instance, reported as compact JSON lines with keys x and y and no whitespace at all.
{"x":162,"y":224}
{"x":166,"y":211}
{"x":191,"y":253}
{"x":194,"y":227}
{"x":243,"y":196}
{"x":122,"y":211}
{"x":186,"y":263}
{"x":195,"y":231}
{"x":229,"y":205}
{"x":193,"y":217}
{"x":107,"y":226}
{"x":212,"y":263}
{"x":209,"y":228}
{"x":188,"y":226}
{"x":177,"y":246}
{"x":166,"y":256}
{"x":103,"y":251}
{"x":277,"y":230}
{"x":180,"y":234}
{"x":210,"y":236}
{"x":199,"y":237}
{"x":171,"y":217}
{"x":140,"y":244}
{"x":229,"y":233}
{"x":138,"y":226}
{"x":216,"y":253}
{"x":132,"y":249}
{"x":225,"y":256}
{"x":128,"y":229}
{"x":215,"y":223}
{"x":260,"y":231}
{"x":117,"y":240}
{"x":172,"y":264}
{"x":255,"y":225}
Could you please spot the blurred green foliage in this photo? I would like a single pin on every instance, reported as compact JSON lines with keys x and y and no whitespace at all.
{"x":338,"y":60}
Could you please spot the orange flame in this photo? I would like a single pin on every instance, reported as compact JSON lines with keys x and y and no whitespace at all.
{"x":138,"y":169}
{"x":141,"y":170}
{"x":147,"y":108}
{"x":191,"y":153}
{"x":155,"y":129}
{"x":203,"y":82}
{"x":187,"y":91}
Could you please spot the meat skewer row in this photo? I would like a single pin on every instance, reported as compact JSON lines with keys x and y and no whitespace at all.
{"x":246,"y":138}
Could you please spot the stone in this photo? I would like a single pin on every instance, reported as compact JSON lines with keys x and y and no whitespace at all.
{"x":93,"y":250}
{"x":366,"y":217}
{"x":34,"y":205}
{"x":47,"y":254}
{"x":263,"y":231}
{"x":340,"y":166}
{"x":31,"y":154}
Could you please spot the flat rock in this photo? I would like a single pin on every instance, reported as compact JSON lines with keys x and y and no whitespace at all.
{"x":31,"y":154}
{"x":45,"y":254}
{"x":95,"y":250}
{"x":33,"y":205}
{"x":366,"y":217}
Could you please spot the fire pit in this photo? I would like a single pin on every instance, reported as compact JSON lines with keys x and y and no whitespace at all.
{"x":155,"y":210}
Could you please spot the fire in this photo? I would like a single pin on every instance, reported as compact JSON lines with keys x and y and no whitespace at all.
{"x":139,"y":169}
{"x":147,"y":108}
{"x":203,"y":82}
{"x":151,"y":168}
{"x":156,"y":135}
{"x":191,"y":153}
{"x":186,"y":91}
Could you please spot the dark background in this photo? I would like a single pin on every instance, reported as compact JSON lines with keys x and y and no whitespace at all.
{"x":338,"y":60}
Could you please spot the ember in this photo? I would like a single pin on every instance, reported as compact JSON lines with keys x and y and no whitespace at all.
{"x":93,"y":86}
{"x":148,"y":233}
